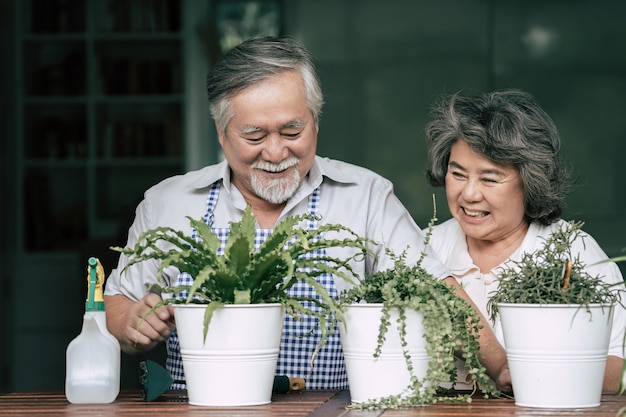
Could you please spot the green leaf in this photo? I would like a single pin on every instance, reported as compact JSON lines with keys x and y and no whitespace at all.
{"x":245,"y":230}
{"x":242,"y":296}
{"x":268,"y":272}
{"x":281,"y":234}
{"x":237,"y":255}
{"x":208,"y":315}
{"x":210,"y":243}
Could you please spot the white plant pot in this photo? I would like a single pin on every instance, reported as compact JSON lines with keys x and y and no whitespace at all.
{"x":237,"y":364}
{"x":372,"y":378}
{"x":556,"y":353}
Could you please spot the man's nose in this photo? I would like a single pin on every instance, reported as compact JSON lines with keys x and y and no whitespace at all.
{"x":275,"y":149}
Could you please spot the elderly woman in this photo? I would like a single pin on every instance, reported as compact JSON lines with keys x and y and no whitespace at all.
{"x":497,"y":155}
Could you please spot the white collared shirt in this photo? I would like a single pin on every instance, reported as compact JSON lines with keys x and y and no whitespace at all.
{"x":350,"y":195}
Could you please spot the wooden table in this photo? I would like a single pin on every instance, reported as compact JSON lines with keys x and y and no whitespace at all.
{"x":307,"y":403}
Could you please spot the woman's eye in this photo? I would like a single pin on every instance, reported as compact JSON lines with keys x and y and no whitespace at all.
{"x":458,"y":175}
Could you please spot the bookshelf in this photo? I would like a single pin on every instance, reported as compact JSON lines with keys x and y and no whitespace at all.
{"x":101,"y":103}
{"x":107,"y":98}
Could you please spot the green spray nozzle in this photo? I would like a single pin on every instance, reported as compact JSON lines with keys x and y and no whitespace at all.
{"x":92,"y":304}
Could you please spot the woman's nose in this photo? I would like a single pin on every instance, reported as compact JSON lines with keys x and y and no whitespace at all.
{"x":471,"y":191}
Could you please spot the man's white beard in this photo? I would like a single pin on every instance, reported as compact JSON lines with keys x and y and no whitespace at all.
{"x":279,"y":190}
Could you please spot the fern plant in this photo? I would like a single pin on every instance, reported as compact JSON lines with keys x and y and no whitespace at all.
{"x":244,"y":275}
{"x":451,"y":328}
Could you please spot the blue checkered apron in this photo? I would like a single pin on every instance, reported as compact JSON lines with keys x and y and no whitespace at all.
{"x":300,"y":336}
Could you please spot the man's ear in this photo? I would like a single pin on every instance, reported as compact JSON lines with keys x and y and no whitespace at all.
{"x":220,"y":134}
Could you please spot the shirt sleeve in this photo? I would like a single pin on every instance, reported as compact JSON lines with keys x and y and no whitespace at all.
{"x":597,"y":263}
{"x":395,"y":228}
{"x":616,"y":345}
{"x":134,"y":281}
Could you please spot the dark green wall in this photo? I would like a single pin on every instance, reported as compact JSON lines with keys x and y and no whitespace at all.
{"x":384,"y":62}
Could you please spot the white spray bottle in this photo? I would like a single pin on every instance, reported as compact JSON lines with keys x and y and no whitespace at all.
{"x":93,"y":358}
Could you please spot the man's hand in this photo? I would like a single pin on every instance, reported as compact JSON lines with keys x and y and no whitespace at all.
{"x":136,"y":331}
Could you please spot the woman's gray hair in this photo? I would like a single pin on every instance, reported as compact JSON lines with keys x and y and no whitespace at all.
{"x":254,"y":61}
{"x":509,"y":128}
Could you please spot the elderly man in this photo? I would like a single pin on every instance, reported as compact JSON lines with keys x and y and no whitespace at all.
{"x":265,"y":98}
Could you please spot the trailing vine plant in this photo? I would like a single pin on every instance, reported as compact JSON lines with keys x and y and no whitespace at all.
{"x":451,"y":328}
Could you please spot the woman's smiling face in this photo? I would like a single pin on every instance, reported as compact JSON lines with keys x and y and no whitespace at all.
{"x":486,"y":199}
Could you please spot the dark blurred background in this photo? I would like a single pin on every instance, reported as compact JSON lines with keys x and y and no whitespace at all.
{"x":103,"y":98}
